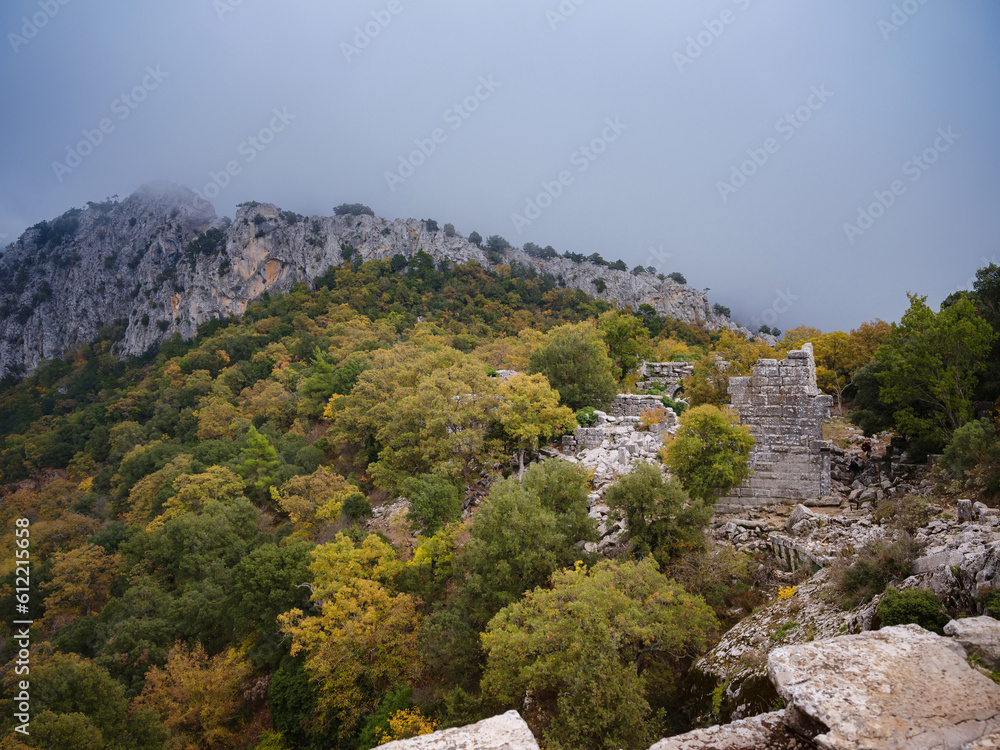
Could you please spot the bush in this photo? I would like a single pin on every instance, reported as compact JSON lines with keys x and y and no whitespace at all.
{"x":434,"y":501}
{"x":908,"y":513}
{"x":649,"y":417}
{"x":678,"y":277}
{"x":586,"y":417}
{"x":600,"y":285}
{"x":356,"y":506}
{"x":678,"y":406}
{"x":918,"y":606}
{"x":967,"y":445}
{"x":721,"y":310}
{"x":878,"y":563}
{"x":431,"y":224}
{"x":476,"y":239}
{"x":660,"y":518}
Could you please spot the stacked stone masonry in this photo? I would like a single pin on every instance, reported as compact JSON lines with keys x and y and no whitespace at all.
{"x":631,"y":405}
{"x":665,"y":375}
{"x":784,"y":410}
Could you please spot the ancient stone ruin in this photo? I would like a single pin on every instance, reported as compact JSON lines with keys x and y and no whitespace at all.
{"x":784,"y":410}
{"x":666,"y":375}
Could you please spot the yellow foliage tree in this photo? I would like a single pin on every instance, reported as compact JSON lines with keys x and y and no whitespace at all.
{"x":80,"y":585}
{"x":144,"y":493}
{"x":198,"y":697}
{"x":315,"y":497}
{"x":219,"y":419}
{"x":364,"y":641}
{"x":529,"y":412}
{"x":193,"y":491}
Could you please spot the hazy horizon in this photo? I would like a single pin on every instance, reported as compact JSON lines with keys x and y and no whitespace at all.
{"x":808,"y":165}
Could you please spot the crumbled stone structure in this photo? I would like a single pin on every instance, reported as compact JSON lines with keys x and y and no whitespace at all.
{"x":665,"y":375}
{"x":784,"y":409}
{"x":632,"y":405}
{"x":624,"y":414}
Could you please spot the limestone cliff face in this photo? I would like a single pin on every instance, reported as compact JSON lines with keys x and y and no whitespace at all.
{"x":132,"y":261}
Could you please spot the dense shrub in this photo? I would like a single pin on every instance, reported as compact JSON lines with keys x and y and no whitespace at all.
{"x":878,"y":563}
{"x":967,"y":444}
{"x":918,"y":606}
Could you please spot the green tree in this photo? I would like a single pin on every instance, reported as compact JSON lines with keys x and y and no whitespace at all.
{"x":434,"y":501}
{"x":627,"y":339}
{"x":260,"y":462}
{"x":77,"y":704}
{"x":529,"y":412}
{"x":594,"y":653}
{"x":515,"y":545}
{"x":659,"y":517}
{"x":932,"y":363}
{"x":269,"y":581}
{"x":576,"y":363}
{"x":710,"y":454}
{"x":563,"y":487}
{"x":476,"y":239}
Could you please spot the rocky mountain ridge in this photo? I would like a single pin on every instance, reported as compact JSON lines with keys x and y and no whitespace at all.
{"x":163,"y":262}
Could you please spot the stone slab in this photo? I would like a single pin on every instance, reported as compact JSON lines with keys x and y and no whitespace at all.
{"x":899,"y":688}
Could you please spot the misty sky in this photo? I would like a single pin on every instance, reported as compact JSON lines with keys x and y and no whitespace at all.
{"x":740,"y":142}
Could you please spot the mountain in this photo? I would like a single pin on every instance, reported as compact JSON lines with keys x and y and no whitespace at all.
{"x":162,"y":262}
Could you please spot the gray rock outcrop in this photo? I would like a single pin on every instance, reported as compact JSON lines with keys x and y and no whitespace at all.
{"x":899,"y":688}
{"x":979,"y":636}
{"x":132,"y":261}
{"x":759,"y":732}
{"x":505,"y":732}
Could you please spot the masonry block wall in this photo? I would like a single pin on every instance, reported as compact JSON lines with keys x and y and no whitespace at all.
{"x":784,"y":410}
{"x":666,"y":375}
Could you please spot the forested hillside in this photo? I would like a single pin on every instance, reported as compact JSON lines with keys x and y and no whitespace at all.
{"x":203,"y":566}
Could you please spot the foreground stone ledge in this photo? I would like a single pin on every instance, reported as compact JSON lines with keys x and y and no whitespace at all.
{"x":764,"y":731}
{"x":505,"y":732}
{"x":897,"y":688}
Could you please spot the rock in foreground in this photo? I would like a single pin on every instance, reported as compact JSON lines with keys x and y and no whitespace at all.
{"x":900,"y":687}
{"x":505,"y":732}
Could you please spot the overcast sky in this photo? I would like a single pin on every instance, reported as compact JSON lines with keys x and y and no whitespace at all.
{"x":740,"y":142}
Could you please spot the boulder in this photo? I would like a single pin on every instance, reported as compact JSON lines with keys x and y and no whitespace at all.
{"x":899,"y":688}
{"x":800,"y":514}
{"x":964,"y":510}
{"x":979,"y":636}
{"x":763,"y":731}
{"x":505,"y":732}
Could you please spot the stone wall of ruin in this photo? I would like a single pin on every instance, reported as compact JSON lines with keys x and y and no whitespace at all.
{"x":784,"y":410}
